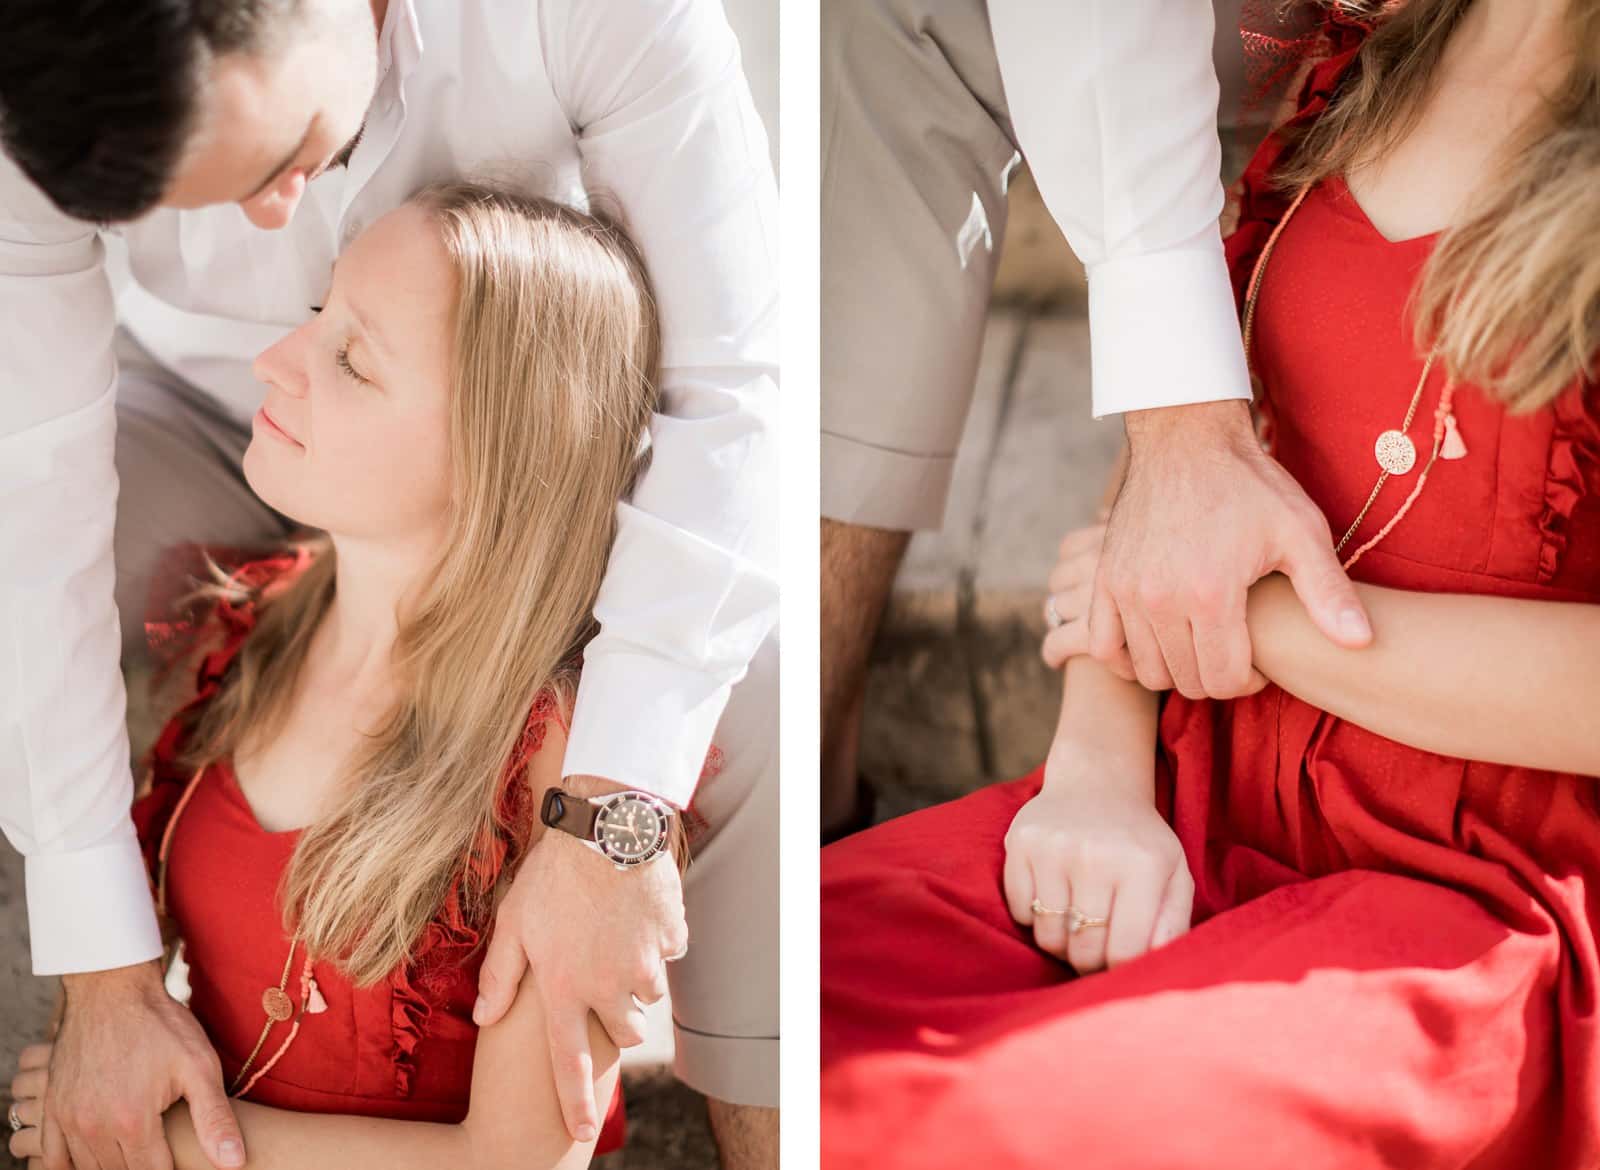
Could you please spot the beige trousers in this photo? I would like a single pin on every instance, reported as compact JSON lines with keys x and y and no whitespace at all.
{"x":917,"y":148}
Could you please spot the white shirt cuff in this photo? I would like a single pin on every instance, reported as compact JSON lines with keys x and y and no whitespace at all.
{"x":1163,"y":330}
{"x":90,"y":910}
{"x":644,"y":722}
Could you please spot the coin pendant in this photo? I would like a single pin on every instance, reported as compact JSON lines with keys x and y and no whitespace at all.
{"x":1396,"y":453}
{"x":276,"y":1003}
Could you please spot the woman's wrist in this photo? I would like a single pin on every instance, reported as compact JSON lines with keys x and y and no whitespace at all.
{"x":1282,"y":634}
{"x":1077,"y":763}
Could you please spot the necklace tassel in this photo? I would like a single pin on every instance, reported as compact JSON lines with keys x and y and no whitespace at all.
{"x":1453,"y":447}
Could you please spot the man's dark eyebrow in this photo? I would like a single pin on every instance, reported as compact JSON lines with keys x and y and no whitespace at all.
{"x":283,"y":166}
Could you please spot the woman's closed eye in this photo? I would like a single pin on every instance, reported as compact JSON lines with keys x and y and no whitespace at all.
{"x":343,"y":356}
{"x":343,"y":359}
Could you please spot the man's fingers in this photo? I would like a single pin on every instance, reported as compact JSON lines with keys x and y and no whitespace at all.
{"x":53,"y":1143}
{"x":215,"y":1126}
{"x":152,"y":1154}
{"x":34,"y":1056}
{"x":573,"y":1066}
{"x":1326,"y":592}
{"x":80,"y":1156}
{"x":654,"y":989}
{"x":503,"y":966}
{"x":1148,"y":663}
{"x":1223,"y":654}
{"x":1106,"y":633}
{"x":626,"y":1026}
{"x":1175,"y":638}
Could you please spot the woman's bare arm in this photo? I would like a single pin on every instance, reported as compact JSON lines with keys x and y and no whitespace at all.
{"x":514,"y":1119}
{"x":1100,"y":711}
{"x":1497,"y":679}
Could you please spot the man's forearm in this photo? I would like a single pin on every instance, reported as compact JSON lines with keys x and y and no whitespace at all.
{"x":1485,"y":678}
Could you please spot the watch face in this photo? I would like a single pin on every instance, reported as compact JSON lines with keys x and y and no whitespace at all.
{"x":630,"y":830}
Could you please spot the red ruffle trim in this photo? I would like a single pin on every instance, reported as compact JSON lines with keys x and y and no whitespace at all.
{"x":1574,"y":471}
{"x":216,"y":633}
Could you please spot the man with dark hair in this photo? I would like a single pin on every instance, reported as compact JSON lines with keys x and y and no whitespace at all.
{"x":144,"y":147}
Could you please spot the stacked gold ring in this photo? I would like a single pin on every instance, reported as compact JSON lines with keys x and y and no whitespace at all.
{"x":1076,"y":919}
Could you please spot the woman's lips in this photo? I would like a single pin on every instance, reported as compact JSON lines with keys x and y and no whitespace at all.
{"x":274,"y":429}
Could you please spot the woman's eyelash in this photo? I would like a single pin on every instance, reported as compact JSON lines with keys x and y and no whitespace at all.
{"x":343,"y":356}
{"x":344,"y":363}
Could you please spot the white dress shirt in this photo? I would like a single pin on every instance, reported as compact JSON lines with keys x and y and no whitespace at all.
{"x":641,"y":102}
{"x":1114,"y":104}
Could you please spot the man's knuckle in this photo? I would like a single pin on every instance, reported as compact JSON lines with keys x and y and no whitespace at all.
{"x":1154,"y":596}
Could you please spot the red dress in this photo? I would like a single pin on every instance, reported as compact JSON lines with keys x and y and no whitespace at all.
{"x":1394,"y":959}
{"x":402,"y":1048}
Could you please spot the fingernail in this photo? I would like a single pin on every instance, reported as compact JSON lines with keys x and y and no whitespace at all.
{"x":586,"y":1133}
{"x":478,"y":1009}
{"x":231,"y":1153}
{"x":1353,"y":625}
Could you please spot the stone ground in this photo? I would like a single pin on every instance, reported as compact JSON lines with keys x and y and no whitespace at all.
{"x":667,"y":1127}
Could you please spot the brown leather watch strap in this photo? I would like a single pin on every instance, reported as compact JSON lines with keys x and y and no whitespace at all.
{"x":561,"y":810}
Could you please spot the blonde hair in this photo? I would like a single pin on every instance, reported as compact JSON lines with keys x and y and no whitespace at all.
{"x":555,"y":362}
{"x":1511,"y":296}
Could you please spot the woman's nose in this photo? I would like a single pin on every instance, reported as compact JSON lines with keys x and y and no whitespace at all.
{"x":283,"y":365}
{"x":274,"y":207}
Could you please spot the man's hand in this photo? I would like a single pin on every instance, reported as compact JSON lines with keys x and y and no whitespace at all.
{"x":126,"y":1051}
{"x":596,"y":938}
{"x":1203,"y":514}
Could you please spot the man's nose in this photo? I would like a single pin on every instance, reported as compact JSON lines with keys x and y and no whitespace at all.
{"x":274,"y":207}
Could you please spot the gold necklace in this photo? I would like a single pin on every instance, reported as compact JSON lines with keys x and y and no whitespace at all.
{"x":275,"y":1001}
{"x":1395,"y":452}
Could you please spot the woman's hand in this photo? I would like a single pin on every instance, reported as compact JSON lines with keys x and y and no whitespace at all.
{"x":1092,"y":841}
{"x":1066,"y":607}
{"x":1071,"y":596}
{"x":27,"y":1092}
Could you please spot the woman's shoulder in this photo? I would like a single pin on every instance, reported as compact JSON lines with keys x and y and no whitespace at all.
{"x":203,"y":606}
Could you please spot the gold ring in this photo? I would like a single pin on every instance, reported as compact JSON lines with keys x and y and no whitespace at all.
{"x":1054,"y":620}
{"x":13,"y":1120}
{"x":1076,"y":919}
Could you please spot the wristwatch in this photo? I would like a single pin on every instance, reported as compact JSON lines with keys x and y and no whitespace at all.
{"x":628,"y":828}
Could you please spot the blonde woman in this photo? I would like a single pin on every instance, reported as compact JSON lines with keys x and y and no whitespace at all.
{"x":379,"y":715}
{"x":1352,"y":919}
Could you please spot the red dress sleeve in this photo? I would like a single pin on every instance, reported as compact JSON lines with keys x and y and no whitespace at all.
{"x":211,"y":640}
